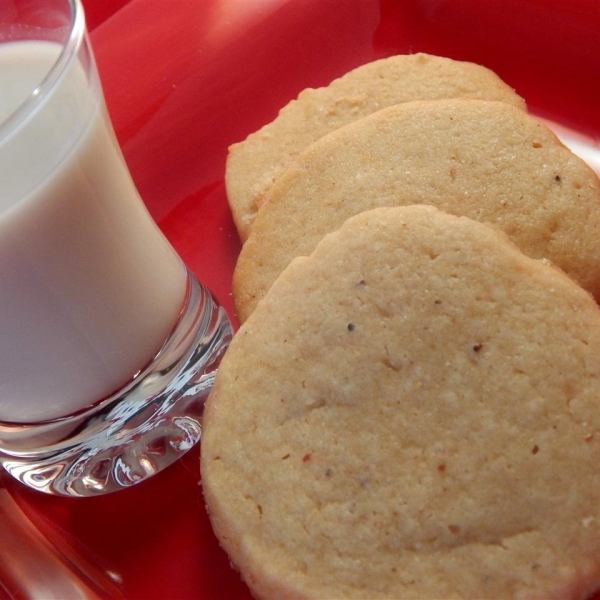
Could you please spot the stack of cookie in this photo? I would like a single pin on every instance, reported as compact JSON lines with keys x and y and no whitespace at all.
{"x":411,"y":407}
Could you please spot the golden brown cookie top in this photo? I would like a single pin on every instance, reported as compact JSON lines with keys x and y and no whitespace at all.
{"x":485,"y":160}
{"x":254,"y":164}
{"x":411,"y":412}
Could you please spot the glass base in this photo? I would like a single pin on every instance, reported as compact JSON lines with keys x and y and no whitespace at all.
{"x":136,"y":432}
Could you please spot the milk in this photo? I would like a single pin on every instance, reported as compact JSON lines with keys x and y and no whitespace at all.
{"x":89,"y":287}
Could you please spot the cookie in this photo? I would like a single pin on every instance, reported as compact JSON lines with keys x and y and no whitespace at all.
{"x":411,"y":412}
{"x":485,"y":160}
{"x":254,"y":164}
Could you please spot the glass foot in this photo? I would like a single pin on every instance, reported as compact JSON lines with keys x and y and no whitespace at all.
{"x":138,"y":431}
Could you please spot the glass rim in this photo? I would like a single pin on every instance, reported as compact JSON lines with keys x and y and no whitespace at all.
{"x":68,"y":53}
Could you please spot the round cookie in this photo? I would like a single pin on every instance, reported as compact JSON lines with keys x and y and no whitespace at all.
{"x":485,"y":160}
{"x":411,"y":412}
{"x":254,"y":164}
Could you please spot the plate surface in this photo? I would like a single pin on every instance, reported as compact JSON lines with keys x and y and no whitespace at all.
{"x":183,"y":80}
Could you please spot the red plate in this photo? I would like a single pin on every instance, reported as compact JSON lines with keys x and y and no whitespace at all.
{"x":183,"y":80}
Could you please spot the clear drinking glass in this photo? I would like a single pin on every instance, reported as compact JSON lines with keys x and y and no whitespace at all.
{"x":108,"y":344}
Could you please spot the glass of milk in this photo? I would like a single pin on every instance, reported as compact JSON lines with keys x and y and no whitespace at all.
{"x":108,"y":344}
